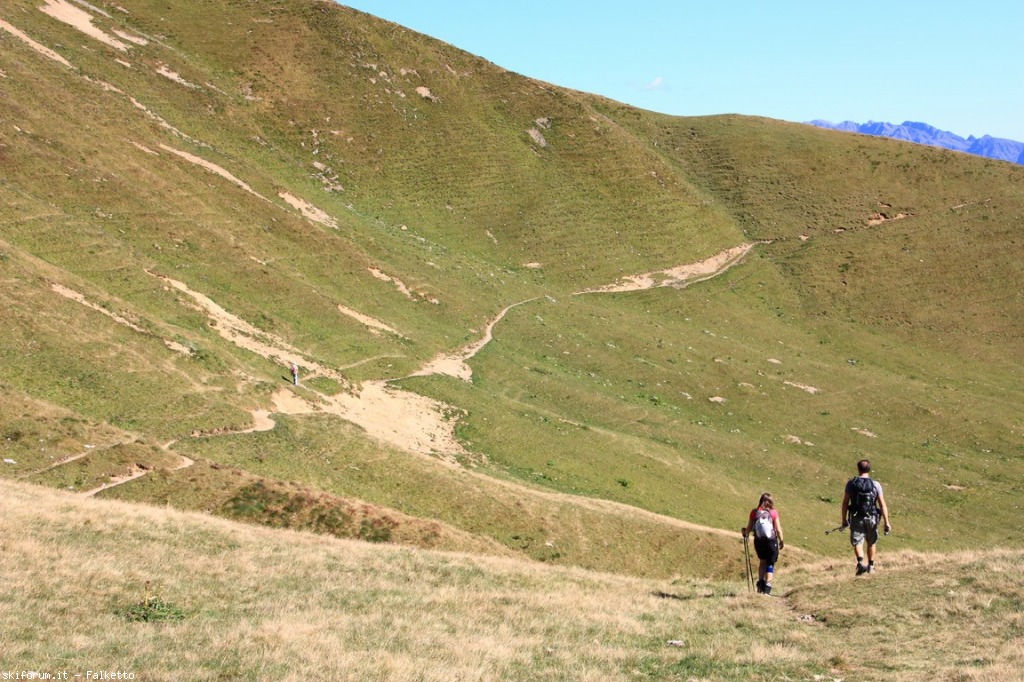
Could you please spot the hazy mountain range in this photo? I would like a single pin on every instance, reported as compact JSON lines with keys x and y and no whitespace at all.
{"x":922,"y":133}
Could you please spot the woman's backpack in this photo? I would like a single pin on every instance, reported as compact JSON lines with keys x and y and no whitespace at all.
{"x":764,"y":527}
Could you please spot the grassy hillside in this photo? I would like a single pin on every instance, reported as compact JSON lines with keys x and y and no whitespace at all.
{"x":917,"y":242}
{"x":167,"y":595}
{"x":195,"y":196}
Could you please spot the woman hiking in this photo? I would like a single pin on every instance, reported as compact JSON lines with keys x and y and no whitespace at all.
{"x":764,"y":523}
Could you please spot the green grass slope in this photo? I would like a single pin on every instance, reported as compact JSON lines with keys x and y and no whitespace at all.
{"x":194,"y":196}
{"x":915,"y":241}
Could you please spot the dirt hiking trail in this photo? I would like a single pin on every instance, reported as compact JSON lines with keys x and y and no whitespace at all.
{"x":400,"y":418}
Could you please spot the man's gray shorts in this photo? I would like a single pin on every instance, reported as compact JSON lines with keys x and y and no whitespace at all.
{"x":864,"y":528}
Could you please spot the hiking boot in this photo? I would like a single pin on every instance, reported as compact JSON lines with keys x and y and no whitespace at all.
{"x":871,"y":569}
{"x":760,"y":586}
{"x":861,"y":569}
{"x":768,"y":588}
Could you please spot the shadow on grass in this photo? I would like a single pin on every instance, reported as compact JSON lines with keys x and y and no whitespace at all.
{"x":689,"y":597}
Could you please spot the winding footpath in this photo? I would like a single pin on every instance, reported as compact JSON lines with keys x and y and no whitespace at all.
{"x":400,"y":418}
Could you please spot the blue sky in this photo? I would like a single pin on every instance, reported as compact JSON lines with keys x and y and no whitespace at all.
{"x":899,"y":60}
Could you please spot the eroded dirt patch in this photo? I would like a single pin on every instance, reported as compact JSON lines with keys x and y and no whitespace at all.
{"x":64,"y":11}
{"x":375,"y":326}
{"x":79,"y":298}
{"x":680,"y":276}
{"x":38,"y":47}
{"x":309,"y":210}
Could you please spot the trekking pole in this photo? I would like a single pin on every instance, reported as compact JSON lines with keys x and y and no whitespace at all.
{"x":750,"y":570}
{"x":837,"y":528}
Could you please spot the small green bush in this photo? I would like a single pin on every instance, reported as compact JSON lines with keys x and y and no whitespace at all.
{"x":152,"y":610}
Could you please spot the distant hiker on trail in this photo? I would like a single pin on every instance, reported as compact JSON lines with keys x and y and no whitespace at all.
{"x":862,"y":503}
{"x":764,"y":522}
{"x":295,"y":374}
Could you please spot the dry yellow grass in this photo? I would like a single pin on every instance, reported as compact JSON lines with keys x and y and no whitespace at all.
{"x":268,"y":604}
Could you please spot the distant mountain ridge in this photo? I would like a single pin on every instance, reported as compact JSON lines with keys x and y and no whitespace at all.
{"x":922,"y":133}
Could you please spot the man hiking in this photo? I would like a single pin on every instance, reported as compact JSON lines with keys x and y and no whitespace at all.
{"x":764,"y":523}
{"x":862,"y":502}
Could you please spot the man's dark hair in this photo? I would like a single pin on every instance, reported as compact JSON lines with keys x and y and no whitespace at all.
{"x":864,"y":466}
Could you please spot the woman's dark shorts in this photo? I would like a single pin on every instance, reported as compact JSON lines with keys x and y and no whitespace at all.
{"x":767,"y":550}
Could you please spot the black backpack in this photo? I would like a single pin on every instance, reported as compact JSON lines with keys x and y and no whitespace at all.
{"x":863,"y":498}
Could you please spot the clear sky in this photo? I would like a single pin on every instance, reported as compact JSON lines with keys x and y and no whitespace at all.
{"x":957,"y":66}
